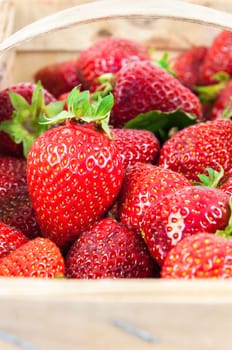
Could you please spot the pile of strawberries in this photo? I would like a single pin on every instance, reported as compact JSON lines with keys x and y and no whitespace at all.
{"x":116,"y":165}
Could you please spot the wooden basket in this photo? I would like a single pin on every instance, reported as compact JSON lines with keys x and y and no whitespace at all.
{"x":112,"y":314}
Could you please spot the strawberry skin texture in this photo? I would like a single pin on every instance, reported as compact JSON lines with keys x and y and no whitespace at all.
{"x":222,"y":102}
{"x":136,"y":145}
{"x":107,"y":56}
{"x":200,"y":256}
{"x":188,"y":211}
{"x":74,"y":174}
{"x":227,"y":186}
{"x":7,"y":146}
{"x":38,"y":258}
{"x":218,"y":58}
{"x":196,"y":147}
{"x":58,"y":78}
{"x":109,"y":250}
{"x":16,"y":211}
{"x":12,"y":174}
{"x":143,"y":185}
{"x":186,"y":65}
{"x":10,"y":239}
{"x":141,"y":86}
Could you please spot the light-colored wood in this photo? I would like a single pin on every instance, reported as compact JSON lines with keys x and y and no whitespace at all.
{"x":134,"y":314}
{"x":109,"y":9}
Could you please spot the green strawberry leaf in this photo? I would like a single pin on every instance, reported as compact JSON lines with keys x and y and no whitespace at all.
{"x":18,"y":101}
{"x":164,"y":63}
{"x":161,"y":123}
{"x":104,"y":106}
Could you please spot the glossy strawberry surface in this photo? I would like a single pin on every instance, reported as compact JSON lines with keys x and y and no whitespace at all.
{"x":10,"y":239}
{"x":200,"y":256}
{"x":109,"y":250}
{"x":136,"y":145}
{"x":74,"y":175}
{"x":58,"y":78}
{"x":218,"y":58}
{"x":141,"y":86}
{"x":223,"y":103}
{"x":196,"y":147}
{"x":107,"y":55}
{"x":12,"y":174}
{"x":186,"y":65}
{"x":38,"y":258}
{"x":185,"y":212}
{"x":143,"y":185}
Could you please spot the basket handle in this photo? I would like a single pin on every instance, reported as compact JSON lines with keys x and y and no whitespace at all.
{"x":110,"y":9}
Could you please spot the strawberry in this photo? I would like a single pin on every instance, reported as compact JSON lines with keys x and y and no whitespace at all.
{"x":16,"y":211}
{"x":58,"y":78}
{"x":217,"y":59}
{"x":12,"y":174}
{"x":223,"y":103}
{"x":10,"y":239}
{"x":136,"y":145}
{"x":144,"y":184}
{"x":21,"y":107}
{"x":109,"y":250}
{"x":226,"y":186}
{"x":198,"y":146}
{"x":38,"y":258}
{"x":187,"y":211}
{"x":74,"y":173}
{"x":186,"y":65}
{"x":141,"y":86}
{"x":107,"y":56}
{"x":200,"y":256}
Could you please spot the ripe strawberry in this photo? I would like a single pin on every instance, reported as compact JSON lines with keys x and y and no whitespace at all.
{"x":107,"y":56}
{"x":217,"y":59}
{"x":226,"y":186}
{"x":16,"y":211}
{"x":187,"y":211}
{"x":186,"y":65}
{"x":39,"y":258}
{"x":12,"y":174}
{"x":21,"y":107}
{"x":143,"y":185}
{"x":199,"y":256}
{"x":223,"y":103}
{"x":136,"y":145}
{"x":74,"y":173}
{"x":10,"y":239}
{"x":58,"y":78}
{"x":109,"y":250}
{"x":196,"y":147}
{"x":141,"y":86}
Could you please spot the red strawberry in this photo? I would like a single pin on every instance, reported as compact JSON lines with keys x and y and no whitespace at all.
{"x":58,"y":78}
{"x":39,"y":258}
{"x":199,"y":256}
{"x":109,"y":250}
{"x":16,"y":211}
{"x":144,"y":184}
{"x":107,"y":56}
{"x":185,"y":212}
{"x":223,"y":104}
{"x":186,"y":65}
{"x":196,"y":147}
{"x":74,"y":173}
{"x":141,"y":86}
{"x":10,"y":239}
{"x":21,"y":120}
{"x":226,"y":186}
{"x":136,"y":145}
{"x":12,"y":174}
{"x":218,"y":58}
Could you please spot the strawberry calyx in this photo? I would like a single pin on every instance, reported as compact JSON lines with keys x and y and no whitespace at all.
{"x":164,"y":63}
{"x":24,"y":126}
{"x":227,"y":232}
{"x":210,"y":177}
{"x":82,"y":108}
{"x":208,"y":93}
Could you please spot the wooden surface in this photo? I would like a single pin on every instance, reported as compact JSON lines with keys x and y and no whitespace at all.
{"x":131,"y":315}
